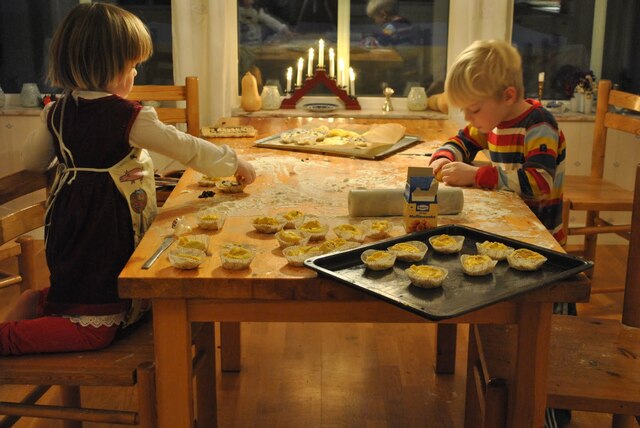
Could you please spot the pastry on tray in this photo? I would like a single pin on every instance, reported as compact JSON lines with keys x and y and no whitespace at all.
{"x":230,"y":186}
{"x":292,"y":218}
{"x":288,"y":237}
{"x":297,"y":254}
{"x":378,"y":259}
{"x":495,"y":250}
{"x":350,"y":232}
{"x":426,"y":276}
{"x":377,"y":229}
{"x":525,"y":259}
{"x":446,"y":244}
{"x":186,"y":258}
{"x":229,"y":131}
{"x":315,"y":227}
{"x":410,"y":251}
{"x":266,"y":224}
{"x":336,"y":244}
{"x":210,"y":219}
{"x":477,"y":264}
{"x":236,"y":257}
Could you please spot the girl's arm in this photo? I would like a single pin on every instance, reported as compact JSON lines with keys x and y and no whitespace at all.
{"x":38,"y":153}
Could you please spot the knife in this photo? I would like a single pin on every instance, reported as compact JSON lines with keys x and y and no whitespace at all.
{"x":165,"y":244}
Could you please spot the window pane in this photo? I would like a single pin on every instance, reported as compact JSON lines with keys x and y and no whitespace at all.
{"x":620,"y":62}
{"x":399,"y":44}
{"x":274,"y":34}
{"x":553,"y":37}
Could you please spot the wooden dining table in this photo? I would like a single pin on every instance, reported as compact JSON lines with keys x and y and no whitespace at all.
{"x":270,"y":290}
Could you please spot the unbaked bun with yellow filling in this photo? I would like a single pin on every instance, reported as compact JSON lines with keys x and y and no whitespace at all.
{"x":186,"y":258}
{"x":266,"y":224}
{"x":199,"y":242}
{"x":426,"y":276}
{"x":495,"y":250}
{"x":350,"y":232}
{"x":336,"y":244}
{"x":297,"y":254}
{"x":315,"y":227}
{"x":230,"y":186}
{"x":446,"y":244}
{"x":525,"y":259}
{"x":288,"y":237}
{"x":378,"y":259}
{"x":236,"y":257}
{"x":210,"y":219}
{"x":477,"y":264}
{"x":292,"y":218}
{"x":377,"y":229}
{"x":410,"y":251}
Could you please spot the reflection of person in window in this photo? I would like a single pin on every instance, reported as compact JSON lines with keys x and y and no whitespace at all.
{"x":394,"y":29}
{"x":253,"y":20}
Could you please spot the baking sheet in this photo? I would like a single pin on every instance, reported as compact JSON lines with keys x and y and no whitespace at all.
{"x":459,"y":293}
{"x":376,"y":152}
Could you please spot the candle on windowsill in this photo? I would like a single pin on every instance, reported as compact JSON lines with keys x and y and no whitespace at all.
{"x":299,"y":76}
{"x":341,"y":80}
{"x":310,"y":64}
{"x":352,"y":82}
{"x":289,"y":77}
{"x":321,"y":53}
{"x":332,"y":63}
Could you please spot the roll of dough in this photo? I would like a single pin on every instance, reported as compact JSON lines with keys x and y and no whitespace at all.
{"x":389,"y":202}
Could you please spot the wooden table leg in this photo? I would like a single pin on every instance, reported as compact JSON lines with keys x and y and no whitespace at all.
{"x":532,"y":364}
{"x":206,"y":399}
{"x":172,"y":343}
{"x":230,"y":346}
{"x":446,"y":335}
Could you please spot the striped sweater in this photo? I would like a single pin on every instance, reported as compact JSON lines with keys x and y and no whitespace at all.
{"x":527,"y":155}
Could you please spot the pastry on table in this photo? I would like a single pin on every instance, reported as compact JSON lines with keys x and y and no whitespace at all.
{"x":208,"y":181}
{"x":292,"y":218}
{"x":495,"y":250}
{"x":336,"y":244}
{"x":288,"y":237}
{"x":186,"y":258}
{"x":350,"y":232}
{"x":410,"y":251}
{"x":378,"y":259}
{"x":236,"y":257}
{"x":525,"y":259}
{"x":266,"y":224}
{"x":425,"y":276}
{"x":199,"y":242}
{"x":230,"y":186}
{"x":446,"y":244}
{"x":297,"y":254}
{"x":317,"y":229}
{"x":210,"y":219}
{"x":477,"y":264}
{"x":377,"y":229}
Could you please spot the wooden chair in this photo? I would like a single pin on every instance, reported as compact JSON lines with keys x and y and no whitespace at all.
{"x":593,"y":194}
{"x":593,"y":364}
{"x":173,"y":115}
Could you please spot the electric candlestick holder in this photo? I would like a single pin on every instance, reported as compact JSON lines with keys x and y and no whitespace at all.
{"x":320,"y":78}
{"x":540,"y":91}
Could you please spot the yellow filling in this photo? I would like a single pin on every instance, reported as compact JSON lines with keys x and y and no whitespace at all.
{"x":493,"y":245}
{"x":477,"y":260}
{"x":348,"y":228}
{"x":380,"y":225}
{"x":266,"y":220}
{"x":305,"y":249}
{"x":425,"y":271}
{"x":332,"y":244}
{"x":443,"y":240}
{"x":405,"y":247}
{"x":290,"y":236}
{"x":210,"y":217}
{"x":524,"y":253}
{"x":238,"y":253}
{"x":378,"y":255}
{"x":312,"y":226}
{"x":185,"y":242}
{"x":292,"y":215}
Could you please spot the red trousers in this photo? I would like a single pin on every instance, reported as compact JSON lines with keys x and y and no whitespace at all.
{"x":51,"y":334}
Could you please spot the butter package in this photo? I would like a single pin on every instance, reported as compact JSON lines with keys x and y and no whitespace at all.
{"x":420,"y":200}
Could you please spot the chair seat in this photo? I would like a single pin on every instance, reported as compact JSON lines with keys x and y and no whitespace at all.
{"x":115,"y":365}
{"x":595,"y":194}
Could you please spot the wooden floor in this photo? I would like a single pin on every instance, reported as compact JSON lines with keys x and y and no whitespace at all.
{"x":350,"y":375}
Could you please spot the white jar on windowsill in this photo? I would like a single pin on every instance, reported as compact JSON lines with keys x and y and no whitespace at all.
{"x":417,"y":99}
{"x":30,"y":95}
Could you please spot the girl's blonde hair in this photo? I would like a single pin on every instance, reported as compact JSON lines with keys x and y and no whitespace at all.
{"x":483,"y":71}
{"x":95,"y":45}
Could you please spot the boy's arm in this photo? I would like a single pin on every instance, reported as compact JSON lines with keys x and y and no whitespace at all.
{"x":463,"y":147}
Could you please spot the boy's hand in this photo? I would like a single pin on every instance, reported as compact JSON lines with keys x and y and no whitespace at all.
{"x":245,"y":173}
{"x":438,"y":163}
{"x":459,"y":174}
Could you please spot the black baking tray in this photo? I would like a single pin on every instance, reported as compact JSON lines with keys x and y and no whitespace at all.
{"x":373,"y":153}
{"x":459,"y":293}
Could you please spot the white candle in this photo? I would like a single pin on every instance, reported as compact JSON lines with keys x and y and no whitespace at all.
{"x":310,"y":64}
{"x":299,"y":76}
{"x":341,"y":80}
{"x":289,"y":77}
{"x":352,"y":82}
{"x":321,"y":53}
{"x":332,"y":63}
{"x":541,"y":76}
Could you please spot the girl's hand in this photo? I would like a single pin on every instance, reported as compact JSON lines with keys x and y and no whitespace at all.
{"x":245,"y":173}
{"x":459,"y":174}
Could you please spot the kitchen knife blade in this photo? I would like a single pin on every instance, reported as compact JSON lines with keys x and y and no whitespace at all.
{"x":165,"y":244}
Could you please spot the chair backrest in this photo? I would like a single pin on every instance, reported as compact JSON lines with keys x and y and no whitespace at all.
{"x":607,"y":118}
{"x":631,"y":304}
{"x":173,"y":115}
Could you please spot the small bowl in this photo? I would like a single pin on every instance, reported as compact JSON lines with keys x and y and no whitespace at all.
{"x":446,"y":244}
{"x":378,"y":259}
{"x":297,"y":254}
{"x":289,"y":237}
{"x":410,"y":251}
{"x":477,"y":265}
{"x":425,"y":276}
{"x":236,"y":257}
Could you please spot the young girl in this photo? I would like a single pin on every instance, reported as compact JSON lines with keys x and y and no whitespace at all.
{"x":103,"y":198}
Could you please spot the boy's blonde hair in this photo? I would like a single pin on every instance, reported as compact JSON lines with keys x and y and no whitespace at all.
{"x":95,"y":45}
{"x":483,"y":71}
{"x":377,"y":7}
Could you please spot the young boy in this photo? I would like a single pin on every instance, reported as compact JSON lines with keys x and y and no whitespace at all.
{"x":526,"y":147}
